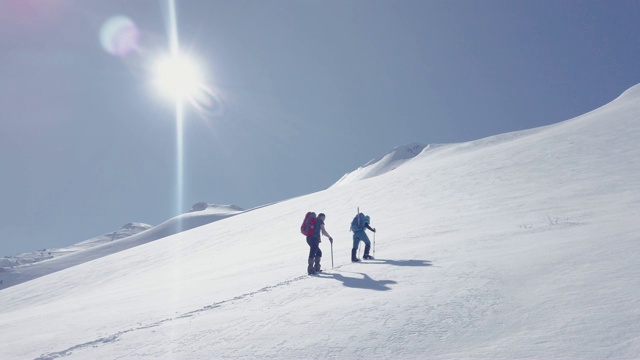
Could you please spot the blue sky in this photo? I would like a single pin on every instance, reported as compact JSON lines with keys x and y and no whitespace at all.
{"x":311,"y":90}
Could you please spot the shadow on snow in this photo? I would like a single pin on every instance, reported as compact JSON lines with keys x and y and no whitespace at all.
{"x":398,"y":262}
{"x":366,"y":281}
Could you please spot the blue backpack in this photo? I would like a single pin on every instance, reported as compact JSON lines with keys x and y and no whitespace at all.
{"x":358,"y":222}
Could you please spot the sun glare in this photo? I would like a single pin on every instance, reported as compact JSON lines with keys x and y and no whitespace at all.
{"x":178,"y":77}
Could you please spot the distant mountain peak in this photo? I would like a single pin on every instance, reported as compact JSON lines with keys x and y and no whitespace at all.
{"x":203,"y":205}
{"x":136,"y":226}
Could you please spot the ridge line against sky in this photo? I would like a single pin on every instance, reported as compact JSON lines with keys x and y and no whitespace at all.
{"x":308,"y":91}
{"x":508,"y":247}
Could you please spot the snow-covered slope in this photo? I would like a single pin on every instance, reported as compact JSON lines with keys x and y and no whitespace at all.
{"x":25,"y":267}
{"x":522,"y":245}
{"x":384,"y":164}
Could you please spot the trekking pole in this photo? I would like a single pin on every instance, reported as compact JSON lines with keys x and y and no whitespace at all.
{"x":332,"y":255}
{"x":374,"y":245}
{"x":358,"y":213}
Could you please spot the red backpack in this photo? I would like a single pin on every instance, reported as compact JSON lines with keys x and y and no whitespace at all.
{"x":307,"y":225}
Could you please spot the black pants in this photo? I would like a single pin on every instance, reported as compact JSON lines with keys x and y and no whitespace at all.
{"x":314,"y":247}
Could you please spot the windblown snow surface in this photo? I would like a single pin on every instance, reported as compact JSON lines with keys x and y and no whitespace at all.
{"x":517,"y":246}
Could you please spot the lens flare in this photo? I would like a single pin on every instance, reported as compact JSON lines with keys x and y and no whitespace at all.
{"x":208,"y":103}
{"x":179,"y":77}
{"x":119,"y":36}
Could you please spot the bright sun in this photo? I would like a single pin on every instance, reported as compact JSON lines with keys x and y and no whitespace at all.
{"x":178,"y":77}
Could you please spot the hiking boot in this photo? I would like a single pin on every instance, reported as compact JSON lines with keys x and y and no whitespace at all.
{"x":367,"y":248}
{"x":353,"y":255}
{"x":310,"y":268}
{"x":316,"y":267}
{"x":368,"y":257}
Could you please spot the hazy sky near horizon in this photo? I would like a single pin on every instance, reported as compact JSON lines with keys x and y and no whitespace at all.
{"x":308,"y":91}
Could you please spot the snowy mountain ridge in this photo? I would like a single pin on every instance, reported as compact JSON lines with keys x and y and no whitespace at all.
{"x":24,"y":267}
{"x":384,"y":164}
{"x":46,"y":254}
{"x":521,"y":245}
